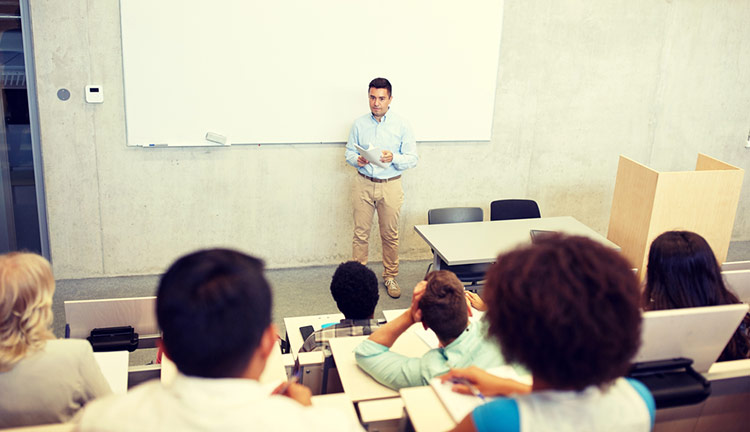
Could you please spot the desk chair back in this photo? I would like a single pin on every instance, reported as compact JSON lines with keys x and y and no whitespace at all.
{"x":469,"y":274}
{"x":514,"y":209}
{"x":738,"y":281}
{"x":698,"y":333}
{"x":735,"y":265}
{"x":455,"y":215}
{"x":82,"y":316}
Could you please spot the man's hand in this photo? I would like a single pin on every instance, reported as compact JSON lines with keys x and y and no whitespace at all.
{"x":415,"y":312}
{"x":387,"y":157}
{"x":486,"y":383}
{"x":475,"y":301}
{"x":387,"y":334}
{"x":362,"y":161}
{"x":295,"y":391}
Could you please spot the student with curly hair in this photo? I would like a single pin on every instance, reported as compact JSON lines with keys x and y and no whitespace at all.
{"x":683,"y":272}
{"x":42,"y":379}
{"x":354,"y":287}
{"x":566,"y":308}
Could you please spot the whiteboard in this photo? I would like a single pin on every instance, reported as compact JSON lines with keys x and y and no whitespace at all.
{"x":296,"y":71}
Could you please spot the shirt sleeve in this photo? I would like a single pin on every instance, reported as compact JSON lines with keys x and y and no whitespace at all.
{"x":351,"y":153}
{"x":311,"y":343}
{"x":498,"y":416}
{"x":648,"y":398}
{"x":407,"y":156}
{"x":387,"y":367}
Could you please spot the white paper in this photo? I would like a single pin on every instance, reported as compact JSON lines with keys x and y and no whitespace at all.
{"x":373,"y":155}
{"x":460,"y":405}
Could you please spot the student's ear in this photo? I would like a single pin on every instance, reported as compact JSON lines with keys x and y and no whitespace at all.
{"x":268,"y":341}
{"x":468,"y":308}
{"x":161,"y":350}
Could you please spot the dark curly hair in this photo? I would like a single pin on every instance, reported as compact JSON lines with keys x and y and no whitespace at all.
{"x":567,"y":308}
{"x":443,"y":305}
{"x":683,"y":272}
{"x":354,"y":287}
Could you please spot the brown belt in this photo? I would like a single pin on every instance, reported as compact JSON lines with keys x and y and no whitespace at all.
{"x":376,"y":180}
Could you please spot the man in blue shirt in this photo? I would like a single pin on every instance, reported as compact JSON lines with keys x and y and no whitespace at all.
{"x":377,"y":186}
{"x":439,"y":304}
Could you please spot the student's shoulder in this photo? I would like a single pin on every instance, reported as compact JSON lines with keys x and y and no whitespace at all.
{"x":108,"y":410}
{"x":500,"y":415}
{"x":68,"y":351}
{"x":68,"y":345}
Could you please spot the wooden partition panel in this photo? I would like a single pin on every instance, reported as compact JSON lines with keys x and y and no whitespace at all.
{"x":647,"y":203}
{"x":632,"y":204}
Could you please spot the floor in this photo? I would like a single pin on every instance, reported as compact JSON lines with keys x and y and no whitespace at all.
{"x":297,"y":291}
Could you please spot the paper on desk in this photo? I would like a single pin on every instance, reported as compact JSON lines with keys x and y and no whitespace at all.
{"x":373,"y":154}
{"x":460,"y":405}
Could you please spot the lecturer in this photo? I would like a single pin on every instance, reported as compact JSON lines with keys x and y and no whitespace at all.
{"x":379,"y":187}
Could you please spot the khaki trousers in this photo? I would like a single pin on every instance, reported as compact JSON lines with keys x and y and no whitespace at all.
{"x":385,"y":198}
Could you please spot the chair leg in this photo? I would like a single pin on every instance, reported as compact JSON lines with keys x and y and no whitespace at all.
{"x":428,"y":270}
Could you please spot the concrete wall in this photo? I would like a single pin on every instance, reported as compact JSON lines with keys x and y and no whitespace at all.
{"x":579,"y":83}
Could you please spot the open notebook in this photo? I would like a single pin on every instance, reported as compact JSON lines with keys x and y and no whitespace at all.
{"x":460,"y":405}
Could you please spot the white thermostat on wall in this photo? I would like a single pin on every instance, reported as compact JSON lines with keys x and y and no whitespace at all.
{"x":94,"y":94}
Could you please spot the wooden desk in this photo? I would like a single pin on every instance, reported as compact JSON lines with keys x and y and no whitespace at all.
{"x":482,"y":242}
{"x":426,"y":412}
{"x":337,"y":401}
{"x":293,"y":324}
{"x":382,"y":415}
{"x":358,"y":385}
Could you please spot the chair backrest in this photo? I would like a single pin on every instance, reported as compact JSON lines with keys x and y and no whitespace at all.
{"x":455,"y":215}
{"x":738,"y":281}
{"x":697,"y":333}
{"x":82,"y":316}
{"x":514,"y":209}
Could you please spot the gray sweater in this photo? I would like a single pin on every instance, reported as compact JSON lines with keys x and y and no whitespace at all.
{"x":50,"y":385}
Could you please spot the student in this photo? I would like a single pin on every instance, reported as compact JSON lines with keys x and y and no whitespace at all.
{"x":683,"y":272}
{"x":567,"y":309}
{"x":214,"y":311}
{"x":440,"y":304}
{"x":355,"y":289}
{"x":42,"y":379}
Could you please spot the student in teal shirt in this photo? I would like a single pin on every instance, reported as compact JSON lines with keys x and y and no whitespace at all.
{"x":440,"y":304}
{"x":567,"y":309}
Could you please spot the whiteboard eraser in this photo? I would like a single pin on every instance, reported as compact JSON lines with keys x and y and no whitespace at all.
{"x":217,"y":138}
{"x":94,"y":94}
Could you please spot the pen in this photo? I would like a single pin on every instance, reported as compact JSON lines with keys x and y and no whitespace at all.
{"x":472,"y":388}
{"x":293,"y":379}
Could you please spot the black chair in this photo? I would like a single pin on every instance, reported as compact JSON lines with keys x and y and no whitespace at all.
{"x":466,"y":273}
{"x":514,"y":209}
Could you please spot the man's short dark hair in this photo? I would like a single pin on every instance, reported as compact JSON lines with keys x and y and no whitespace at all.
{"x":567,"y":309}
{"x":381,"y":83}
{"x":443,"y":305}
{"x":213,"y":307}
{"x":355,"y":289}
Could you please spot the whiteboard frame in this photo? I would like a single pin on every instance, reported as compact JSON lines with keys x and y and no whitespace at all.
{"x":454,"y":105}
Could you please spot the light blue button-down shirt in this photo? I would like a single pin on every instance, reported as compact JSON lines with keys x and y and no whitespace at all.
{"x":392,"y":133}
{"x":471,"y":348}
